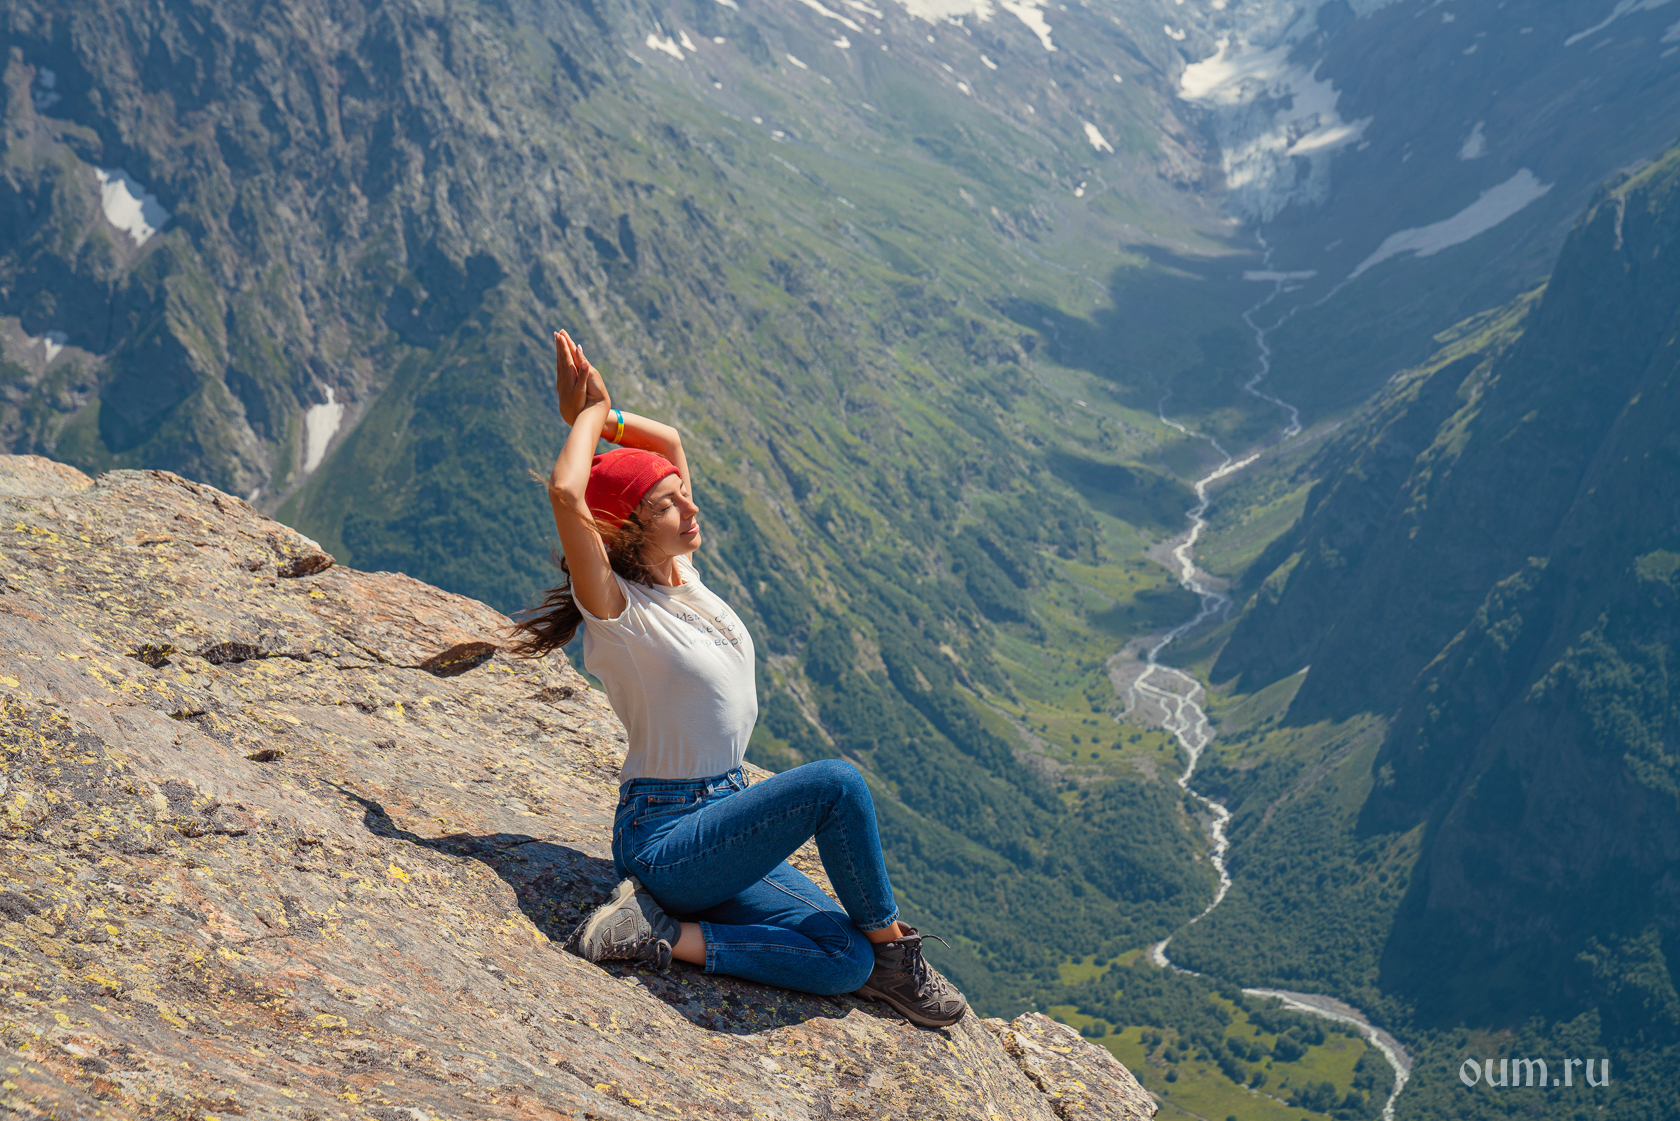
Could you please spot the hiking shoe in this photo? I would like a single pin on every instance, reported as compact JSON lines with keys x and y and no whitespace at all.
{"x":904,"y":979}
{"x":630,"y":926}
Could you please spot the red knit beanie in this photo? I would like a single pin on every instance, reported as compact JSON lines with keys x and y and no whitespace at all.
{"x":620,"y":479}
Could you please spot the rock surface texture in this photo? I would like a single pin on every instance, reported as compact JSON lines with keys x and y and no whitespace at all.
{"x":284,"y":839}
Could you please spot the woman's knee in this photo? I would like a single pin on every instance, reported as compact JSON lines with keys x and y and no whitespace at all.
{"x":838,"y":775}
{"x":860,"y":963}
{"x":849,"y":967}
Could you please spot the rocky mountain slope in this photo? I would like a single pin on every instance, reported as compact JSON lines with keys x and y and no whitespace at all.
{"x":1478,"y":766}
{"x":283,"y":839}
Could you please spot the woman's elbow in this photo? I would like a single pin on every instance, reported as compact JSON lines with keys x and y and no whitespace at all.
{"x":566,"y":498}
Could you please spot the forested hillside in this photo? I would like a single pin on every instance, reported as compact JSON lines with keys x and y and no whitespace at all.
{"x":954,"y":304}
{"x":1463,"y":808}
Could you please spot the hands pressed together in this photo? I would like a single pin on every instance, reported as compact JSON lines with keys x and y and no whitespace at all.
{"x":577,"y":383}
{"x":587,"y":409}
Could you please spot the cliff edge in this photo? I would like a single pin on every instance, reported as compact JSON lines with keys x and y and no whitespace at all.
{"x":283,"y":839}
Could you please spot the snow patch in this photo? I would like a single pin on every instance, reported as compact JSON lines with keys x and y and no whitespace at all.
{"x":666,"y":44}
{"x":1274,"y":277}
{"x":843,"y":43}
{"x":1327,"y":138}
{"x":1622,"y":8}
{"x":938,"y":11}
{"x":1672,"y":35}
{"x":320,"y":423}
{"x":730,"y":4}
{"x":989,"y":64}
{"x":860,"y":6}
{"x":829,"y":13}
{"x":1475,"y":145}
{"x":129,"y":206}
{"x":797,"y":63}
{"x":1027,"y":11}
{"x":1494,"y":206}
{"x":53,"y":341}
{"x":1096,"y":137}
{"x":1276,"y":123}
{"x":688,"y":44}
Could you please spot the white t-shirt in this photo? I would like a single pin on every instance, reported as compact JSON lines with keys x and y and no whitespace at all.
{"x":678,"y":669}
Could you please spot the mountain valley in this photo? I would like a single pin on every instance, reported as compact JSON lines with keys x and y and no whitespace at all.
{"x":955,"y":302}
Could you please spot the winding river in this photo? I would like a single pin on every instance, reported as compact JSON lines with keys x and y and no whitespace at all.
{"x":1171,"y":698}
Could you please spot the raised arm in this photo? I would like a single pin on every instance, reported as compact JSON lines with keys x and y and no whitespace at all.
{"x":639,"y":431}
{"x":650,"y":435}
{"x":584,"y":397}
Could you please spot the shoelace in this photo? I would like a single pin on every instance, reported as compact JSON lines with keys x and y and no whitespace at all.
{"x":913,"y":959}
{"x":637,"y":950}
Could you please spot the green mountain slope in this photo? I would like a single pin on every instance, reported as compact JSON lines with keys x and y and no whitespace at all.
{"x":388,"y":211}
{"x":915,"y":289}
{"x":1462,"y":816}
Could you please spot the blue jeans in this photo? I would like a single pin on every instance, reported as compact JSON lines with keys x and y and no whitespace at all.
{"x":714,"y":851}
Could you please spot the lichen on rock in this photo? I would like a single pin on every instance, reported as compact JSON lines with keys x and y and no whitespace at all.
{"x":305,"y":845}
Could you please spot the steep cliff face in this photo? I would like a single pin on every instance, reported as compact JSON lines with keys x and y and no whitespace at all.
{"x":228,"y":216}
{"x":241,"y":239}
{"x":1541,"y":740}
{"x":1490,"y":568}
{"x":283,"y":839}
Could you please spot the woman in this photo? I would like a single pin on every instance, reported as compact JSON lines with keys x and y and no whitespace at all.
{"x":703,"y":856}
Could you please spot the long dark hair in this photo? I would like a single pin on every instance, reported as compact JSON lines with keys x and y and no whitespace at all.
{"x":555,"y":621}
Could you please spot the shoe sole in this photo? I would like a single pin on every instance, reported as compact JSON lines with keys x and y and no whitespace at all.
{"x":907,"y":1011}
{"x":626,"y":889}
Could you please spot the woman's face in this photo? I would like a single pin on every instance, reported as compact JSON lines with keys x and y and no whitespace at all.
{"x":670,"y":520}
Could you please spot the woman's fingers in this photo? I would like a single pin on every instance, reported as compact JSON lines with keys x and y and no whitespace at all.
{"x":577,"y":383}
{"x":597,"y":386}
{"x":573,"y":364}
{"x":567,"y":383}
{"x":580,"y":394}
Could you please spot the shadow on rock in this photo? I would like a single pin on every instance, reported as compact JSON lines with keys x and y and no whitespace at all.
{"x":556,"y":886}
